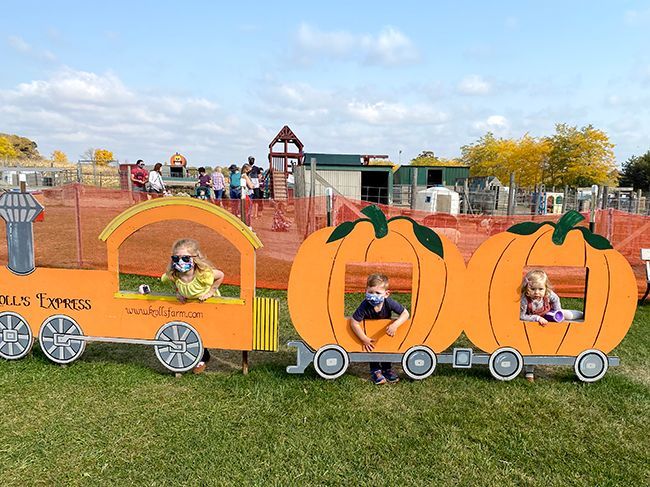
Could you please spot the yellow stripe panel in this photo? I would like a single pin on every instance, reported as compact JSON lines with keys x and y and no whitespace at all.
{"x":266,"y":314}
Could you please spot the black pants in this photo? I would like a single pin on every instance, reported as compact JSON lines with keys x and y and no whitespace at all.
{"x":206,"y":356}
{"x":383,"y":366}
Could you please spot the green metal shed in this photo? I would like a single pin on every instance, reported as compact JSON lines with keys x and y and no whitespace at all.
{"x":431,"y":175}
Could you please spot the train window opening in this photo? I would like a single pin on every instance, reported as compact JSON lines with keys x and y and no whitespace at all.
{"x":145,"y":255}
{"x":400,"y":277}
{"x":574,"y":281}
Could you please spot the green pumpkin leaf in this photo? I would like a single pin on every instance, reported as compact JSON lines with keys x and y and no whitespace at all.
{"x":378,"y":220}
{"x":594,"y":240}
{"x":427,"y":237}
{"x":344,"y":229}
{"x":525,"y":228}
{"x":564,"y":225}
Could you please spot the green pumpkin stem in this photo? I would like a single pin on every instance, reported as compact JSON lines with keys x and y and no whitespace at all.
{"x":566,"y":223}
{"x":378,"y":220}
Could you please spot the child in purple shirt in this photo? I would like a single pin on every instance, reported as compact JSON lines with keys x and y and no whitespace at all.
{"x":377,"y":305}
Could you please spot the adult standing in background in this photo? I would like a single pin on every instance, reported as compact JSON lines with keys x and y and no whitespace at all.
{"x":235,"y":189}
{"x":218,"y":185}
{"x":139,"y":176}
{"x":255,"y":175}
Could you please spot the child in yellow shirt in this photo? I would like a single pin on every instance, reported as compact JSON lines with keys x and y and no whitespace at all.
{"x":193,"y":277}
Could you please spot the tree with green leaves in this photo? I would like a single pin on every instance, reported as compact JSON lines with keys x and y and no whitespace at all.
{"x":428,"y":158}
{"x":636,"y":172}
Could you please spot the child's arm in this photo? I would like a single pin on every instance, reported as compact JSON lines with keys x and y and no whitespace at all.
{"x":554,"y":301}
{"x":367,"y":342}
{"x":218,"y":279}
{"x":392,"y":328}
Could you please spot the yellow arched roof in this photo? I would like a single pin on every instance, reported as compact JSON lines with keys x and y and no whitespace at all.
{"x":178,"y":201}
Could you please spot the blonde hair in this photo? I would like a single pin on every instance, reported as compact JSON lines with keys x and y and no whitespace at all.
{"x":377,"y":280}
{"x":201,"y":262}
{"x":536,"y":277}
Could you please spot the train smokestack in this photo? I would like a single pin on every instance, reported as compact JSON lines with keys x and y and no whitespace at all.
{"x":19,"y":210}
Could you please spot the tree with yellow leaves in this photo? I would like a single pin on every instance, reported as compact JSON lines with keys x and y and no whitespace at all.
{"x":571,"y":156}
{"x":59,"y":158}
{"x":7,"y":150}
{"x":102,"y":157}
{"x":525,"y":158}
{"x":580,"y":157}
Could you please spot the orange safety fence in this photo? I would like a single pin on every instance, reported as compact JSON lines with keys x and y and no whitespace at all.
{"x":75,"y":215}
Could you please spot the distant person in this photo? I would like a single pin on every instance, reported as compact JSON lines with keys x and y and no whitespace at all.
{"x":203,"y":185}
{"x":235,"y":189}
{"x":247,"y":187}
{"x":218,"y":184}
{"x":156,"y":183}
{"x":139,"y":177}
{"x":254,"y":174}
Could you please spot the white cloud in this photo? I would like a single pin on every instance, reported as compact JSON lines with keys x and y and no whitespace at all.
{"x":474,"y":85}
{"x":637,"y":17}
{"x":497,"y":124}
{"x":20,"y":45}
{"x":73,"y":110}
{"x":389,"y":47}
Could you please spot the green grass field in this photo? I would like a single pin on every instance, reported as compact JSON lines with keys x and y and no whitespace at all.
{"x":117,"y":417}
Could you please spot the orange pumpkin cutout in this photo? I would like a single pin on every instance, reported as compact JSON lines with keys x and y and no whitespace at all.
{"x":317,"y":283}
{"x":496,"y":269}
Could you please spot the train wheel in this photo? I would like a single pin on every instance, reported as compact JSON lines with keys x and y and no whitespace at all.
{"x":505,"y":363}
{"x":591,"y":365}
{"x":331,"y":361}
{"x":15,"y":336}
{"x":419,"y":362}
{"x":184,"y":350}
{"x":58,"y":348}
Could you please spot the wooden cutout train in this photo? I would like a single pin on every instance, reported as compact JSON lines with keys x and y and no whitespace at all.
{"x":441,"y":306}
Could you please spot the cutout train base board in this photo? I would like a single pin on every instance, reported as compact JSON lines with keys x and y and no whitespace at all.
{"x":64,"y":313}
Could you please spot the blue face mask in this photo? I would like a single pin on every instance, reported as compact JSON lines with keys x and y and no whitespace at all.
{"x":374,"y":299}
{"x":183,"y":266}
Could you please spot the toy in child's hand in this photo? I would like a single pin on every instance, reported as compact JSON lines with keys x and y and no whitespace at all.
{"x":556,"y":316}
{"x":144,"y":289}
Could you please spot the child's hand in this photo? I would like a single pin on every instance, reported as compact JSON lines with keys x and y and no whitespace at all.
{"x":391,"y":329}
{"x":543,"y":321}
{"x":368,"y":344}
{"x":181,"y":298}
{"x":207,"y":295}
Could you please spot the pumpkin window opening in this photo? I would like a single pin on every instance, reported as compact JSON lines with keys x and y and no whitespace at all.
{"x":574,"y":282}
{"x":400,"y":275}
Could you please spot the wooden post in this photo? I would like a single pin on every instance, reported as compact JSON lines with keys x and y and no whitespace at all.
{"x":77,"y":207}
{"x":244,"y":362}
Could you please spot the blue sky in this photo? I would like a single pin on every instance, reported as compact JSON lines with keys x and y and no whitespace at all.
{"x":216,"y":81}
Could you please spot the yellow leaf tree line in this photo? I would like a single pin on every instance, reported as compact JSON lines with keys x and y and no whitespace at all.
{"x":571,"y":156}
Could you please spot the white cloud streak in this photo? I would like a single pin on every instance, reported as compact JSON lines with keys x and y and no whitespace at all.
{"x":389,"y":47}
